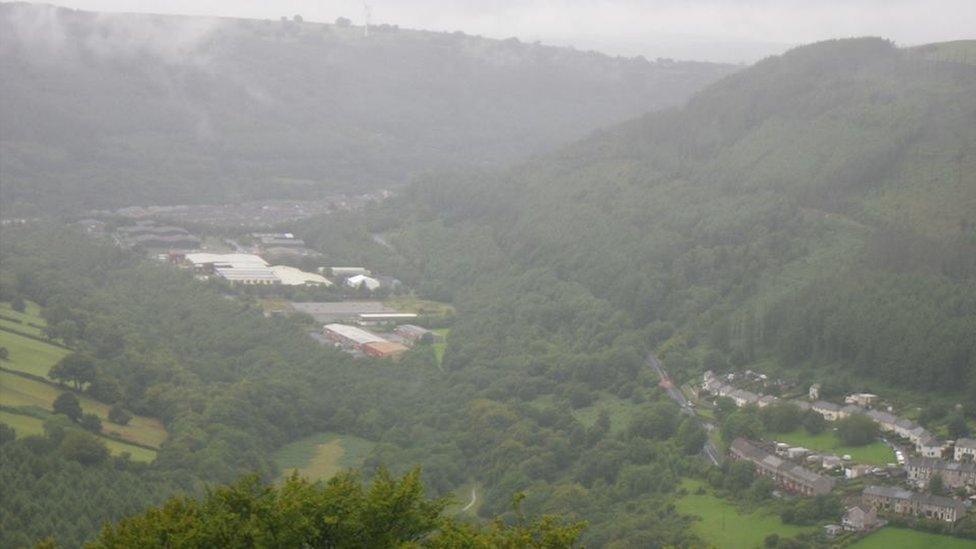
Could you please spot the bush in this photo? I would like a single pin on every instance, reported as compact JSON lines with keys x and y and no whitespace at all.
{"x":91,"y":422}
{"x":83,"y":448}
{"x":119,"y":415}
{"x":67,"y":404}
{"x":857,"y":430}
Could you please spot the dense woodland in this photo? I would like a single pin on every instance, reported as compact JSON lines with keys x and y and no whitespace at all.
{"x":232,"y":386}
{"x":781,"y":216}
{"x":213,"y":110}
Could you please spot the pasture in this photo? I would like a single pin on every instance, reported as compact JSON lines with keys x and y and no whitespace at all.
{"x":903,"y":538}
{"x":412,"y":304}
{"x":322,"y":455}
{"x":620,"y":410}
{"x":441,"y":346}
{"x":18,"y":391}
{"x":26,"y":425}
{"x":876,"y":453}
{"x":29,"y":355}
{"x":723,"y":525}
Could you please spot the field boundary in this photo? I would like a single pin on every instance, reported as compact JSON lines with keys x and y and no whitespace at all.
{"x":34,"y":337}
{"x":20,"y":410}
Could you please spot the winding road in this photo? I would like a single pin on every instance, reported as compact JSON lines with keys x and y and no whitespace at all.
{"x":708,"y":450}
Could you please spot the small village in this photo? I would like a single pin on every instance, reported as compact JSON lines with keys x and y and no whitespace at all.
{"x":895,"y":490}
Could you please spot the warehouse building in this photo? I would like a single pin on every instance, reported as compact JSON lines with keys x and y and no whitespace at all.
{"x":363,"y":281}
{"x":292,"y":276}
{"x":350,"y":336}
{"x":414,"y":333}
{"x":327,"y":312}
{"x":383,"y":349}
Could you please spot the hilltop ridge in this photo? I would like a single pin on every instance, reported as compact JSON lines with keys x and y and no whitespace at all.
{"x":127,"y":109}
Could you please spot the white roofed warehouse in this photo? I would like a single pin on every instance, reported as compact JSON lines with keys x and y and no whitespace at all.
{"x":349,"y":336}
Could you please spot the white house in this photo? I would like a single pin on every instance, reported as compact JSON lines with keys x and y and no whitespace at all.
{"x":359,"y":281}
{"x":829,"y":410}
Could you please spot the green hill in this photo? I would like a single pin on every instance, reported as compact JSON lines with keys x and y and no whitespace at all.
{"x":817,"y":208}
{"x":102,"y":110}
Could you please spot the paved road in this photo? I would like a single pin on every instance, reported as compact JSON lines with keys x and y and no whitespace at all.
{"x":708,"y":450}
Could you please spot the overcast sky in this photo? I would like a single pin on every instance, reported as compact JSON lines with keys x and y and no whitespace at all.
{"x":717,"y":30}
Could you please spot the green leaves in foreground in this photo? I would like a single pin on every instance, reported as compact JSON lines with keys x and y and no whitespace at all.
{"x":343,"y":512}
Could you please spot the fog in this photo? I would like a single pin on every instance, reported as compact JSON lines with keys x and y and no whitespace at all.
{"x":714,"y":30}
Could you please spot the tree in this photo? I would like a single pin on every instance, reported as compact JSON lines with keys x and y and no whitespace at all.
{"x":814,"y":423}
{"x":691,"y":436}
{"x":7,"y":433}
{"x":741,"y":423}
{"x":76,"y":367}
{"x":18,"y":304}
{"x":340,"y":513}
{"x":67,"y":404}
{"x":740,"y":476}
{"x":91,"y":422}
{"x":957,"y":426}
{"x":937,"y":485}
{"x":657,"y":421}
{"x":857,"y":430}
{"x":4,"y":353}
{"x":83,"y":448}
{"x":342,"y":22}
{"x":119,"y":415}
{"x":781,"y":417}
{"x":724,"y":406}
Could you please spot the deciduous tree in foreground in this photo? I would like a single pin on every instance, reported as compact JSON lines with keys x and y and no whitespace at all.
{"x":342,"y":512}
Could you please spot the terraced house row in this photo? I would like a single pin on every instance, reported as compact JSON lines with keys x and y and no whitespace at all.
{"x":785,"y":474}
{"x":891,"y":499}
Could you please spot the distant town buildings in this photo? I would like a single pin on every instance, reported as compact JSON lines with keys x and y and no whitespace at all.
{"x":146,"y":234}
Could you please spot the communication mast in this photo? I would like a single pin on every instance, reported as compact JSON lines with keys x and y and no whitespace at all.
{"x":367,"y":12}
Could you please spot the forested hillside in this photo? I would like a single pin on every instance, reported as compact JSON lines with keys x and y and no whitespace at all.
{"x":116,"y":110}
{"x":815,"y":211}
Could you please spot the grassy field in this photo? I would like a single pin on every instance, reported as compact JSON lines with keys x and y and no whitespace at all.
{"x":903,"y":538}
{"x":620,"y":411}
{"x":31,"y":314}
{"x":411,"y":304}
{"x":18,"y":391}
{"x":321,"y":456}
{"x":723,"y":525}
{"x":439,"y":348}
{"x":275,"y":305}
{"x":29,"y":355}
{"x":876,"y":453}
{"x":29,"y":425}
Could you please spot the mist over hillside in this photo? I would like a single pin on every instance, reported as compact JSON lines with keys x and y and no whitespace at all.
{"x":764,"y":220}
{"x":115,"y":110}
